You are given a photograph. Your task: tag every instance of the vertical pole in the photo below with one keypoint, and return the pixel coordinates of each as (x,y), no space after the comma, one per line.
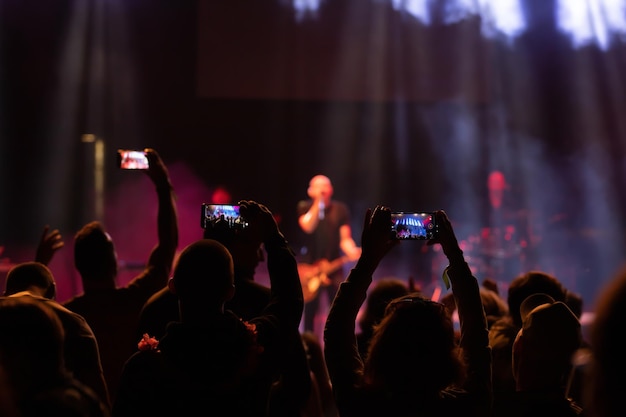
(98,174)
(99,179)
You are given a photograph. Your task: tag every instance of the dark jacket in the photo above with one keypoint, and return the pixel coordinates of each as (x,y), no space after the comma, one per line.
(82,353)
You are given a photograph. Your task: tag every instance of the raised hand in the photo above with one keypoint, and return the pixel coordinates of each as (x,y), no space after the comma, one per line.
(446,237)
(376,238)
(261,222)
(157,170)
(49,243)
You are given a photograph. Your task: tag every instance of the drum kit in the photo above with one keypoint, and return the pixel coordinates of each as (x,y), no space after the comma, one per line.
(494,252)
(501,252)
(521,242)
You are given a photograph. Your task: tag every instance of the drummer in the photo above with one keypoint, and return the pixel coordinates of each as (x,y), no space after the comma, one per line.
(503,241)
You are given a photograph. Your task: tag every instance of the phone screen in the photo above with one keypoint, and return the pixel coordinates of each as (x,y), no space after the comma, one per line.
(212,212)
(413,226)
(128,159)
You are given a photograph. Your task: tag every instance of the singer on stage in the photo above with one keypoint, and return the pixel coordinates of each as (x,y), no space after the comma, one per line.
(329,244)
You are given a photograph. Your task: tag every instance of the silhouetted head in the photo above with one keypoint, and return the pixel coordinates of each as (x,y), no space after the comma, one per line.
(545,345)
(491,285)
(246,251)
(495,307)
(413,350)
(575,303)
(31,342)
(31,276)
(94,253)
(530,283)
(203,278)
(381,294)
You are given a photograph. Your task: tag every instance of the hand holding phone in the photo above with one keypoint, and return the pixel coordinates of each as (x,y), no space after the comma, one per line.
(211,213)
(413,226)
(132,159)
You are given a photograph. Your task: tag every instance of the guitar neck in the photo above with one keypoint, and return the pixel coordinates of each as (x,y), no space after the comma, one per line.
(335,264)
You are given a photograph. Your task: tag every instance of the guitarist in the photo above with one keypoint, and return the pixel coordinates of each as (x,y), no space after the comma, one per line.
(326,223)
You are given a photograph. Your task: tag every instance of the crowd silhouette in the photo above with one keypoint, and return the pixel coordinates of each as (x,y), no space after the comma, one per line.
(112,311)
(199,336)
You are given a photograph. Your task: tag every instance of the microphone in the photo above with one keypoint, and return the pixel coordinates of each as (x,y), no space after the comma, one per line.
(321,210)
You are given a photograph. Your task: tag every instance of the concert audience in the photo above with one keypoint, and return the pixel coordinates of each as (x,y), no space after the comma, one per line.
(249,301)
(32,358)
(112,311)
(250,296)
(513,358)
(503,332)
(414,365)
(212,362)
(34,280)
(495,307)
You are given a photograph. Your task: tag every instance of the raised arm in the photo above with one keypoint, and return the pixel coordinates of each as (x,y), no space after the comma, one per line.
(474,332)
(347,243)
(341,352)
(286,302)
(308,221)
(162,256)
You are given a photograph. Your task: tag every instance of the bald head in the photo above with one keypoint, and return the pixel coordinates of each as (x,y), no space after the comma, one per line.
(319,179)
(496,181)
(320,186)
(31,276)
(204,272)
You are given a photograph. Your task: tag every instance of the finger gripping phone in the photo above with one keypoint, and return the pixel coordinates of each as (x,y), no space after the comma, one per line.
(131,159)
(413,226)
(224,213)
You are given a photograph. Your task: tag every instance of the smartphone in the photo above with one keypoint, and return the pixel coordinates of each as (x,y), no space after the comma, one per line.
(129,159)
(210,213)
(413,226)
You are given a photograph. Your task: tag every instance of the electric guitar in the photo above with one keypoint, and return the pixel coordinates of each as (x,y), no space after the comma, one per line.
(314,276)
